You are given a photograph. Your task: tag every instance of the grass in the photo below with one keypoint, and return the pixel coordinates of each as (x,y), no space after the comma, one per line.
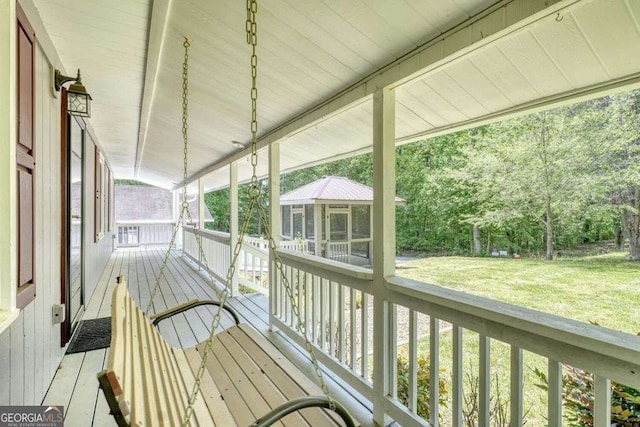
(602,288)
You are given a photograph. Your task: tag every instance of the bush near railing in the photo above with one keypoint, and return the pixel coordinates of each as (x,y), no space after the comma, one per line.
(578,395)
(423,377)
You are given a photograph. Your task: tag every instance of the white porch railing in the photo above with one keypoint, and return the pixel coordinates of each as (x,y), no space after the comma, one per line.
(336,305)
(253,260)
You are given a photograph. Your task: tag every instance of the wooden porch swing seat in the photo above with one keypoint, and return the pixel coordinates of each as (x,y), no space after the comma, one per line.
(147,382)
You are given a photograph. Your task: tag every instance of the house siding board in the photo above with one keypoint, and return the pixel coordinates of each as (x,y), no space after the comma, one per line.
(30,351)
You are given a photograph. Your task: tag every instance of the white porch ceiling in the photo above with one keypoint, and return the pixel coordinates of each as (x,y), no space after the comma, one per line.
(461,63)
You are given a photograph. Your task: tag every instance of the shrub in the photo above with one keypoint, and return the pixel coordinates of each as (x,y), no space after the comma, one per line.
(578,392)
(423,379)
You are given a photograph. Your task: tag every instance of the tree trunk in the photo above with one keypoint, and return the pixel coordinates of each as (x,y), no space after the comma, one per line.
(489,241)
(631,222)
(619,239)
(548,225)
(477,243)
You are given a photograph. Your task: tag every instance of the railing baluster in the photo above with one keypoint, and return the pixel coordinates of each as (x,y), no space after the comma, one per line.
(393,355)
(341,332)
(300,277)
(554,409)
(484,381)
(323,314)
(317,297)
(352,324)
(413,362)
(434,371)
(517,385)
(602,401)
(456,416)
(308,289)
(365,336)
(332,319)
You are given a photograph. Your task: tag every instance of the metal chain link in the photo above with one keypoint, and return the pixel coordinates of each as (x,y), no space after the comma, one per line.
(185,213)
(255,202)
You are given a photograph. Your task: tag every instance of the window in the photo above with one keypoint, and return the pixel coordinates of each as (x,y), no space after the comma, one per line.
(361,221)
(286,221)
(25,159)
(309,221)
(128,235)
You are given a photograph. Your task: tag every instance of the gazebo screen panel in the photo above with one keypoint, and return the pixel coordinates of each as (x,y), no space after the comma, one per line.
(360,222)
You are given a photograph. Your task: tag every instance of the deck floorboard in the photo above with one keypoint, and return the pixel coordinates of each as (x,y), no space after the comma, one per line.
(75,384)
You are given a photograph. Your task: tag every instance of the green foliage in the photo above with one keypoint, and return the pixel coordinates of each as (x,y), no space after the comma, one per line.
(423,380)
(578,399)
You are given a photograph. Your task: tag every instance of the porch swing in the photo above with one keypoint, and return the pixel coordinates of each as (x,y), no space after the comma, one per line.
(237,372)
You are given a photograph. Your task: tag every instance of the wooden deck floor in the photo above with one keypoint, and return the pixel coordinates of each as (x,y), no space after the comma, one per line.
(75,385)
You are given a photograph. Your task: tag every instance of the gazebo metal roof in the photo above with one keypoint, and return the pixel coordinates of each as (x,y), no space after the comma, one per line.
(334,189)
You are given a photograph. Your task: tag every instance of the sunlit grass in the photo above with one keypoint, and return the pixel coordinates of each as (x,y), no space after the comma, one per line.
(604,289)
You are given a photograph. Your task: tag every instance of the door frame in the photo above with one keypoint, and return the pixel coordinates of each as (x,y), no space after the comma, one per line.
(346,211)
(66,327)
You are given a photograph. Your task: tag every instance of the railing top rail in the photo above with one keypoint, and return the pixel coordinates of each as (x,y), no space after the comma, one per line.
(219,236)
(318,263)
(499,319)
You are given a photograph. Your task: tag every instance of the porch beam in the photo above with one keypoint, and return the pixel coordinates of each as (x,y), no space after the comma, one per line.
(497,21)
(384,242)
(274,224)
(233,222)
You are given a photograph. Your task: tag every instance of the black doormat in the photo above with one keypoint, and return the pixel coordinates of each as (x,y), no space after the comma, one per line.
(91,334)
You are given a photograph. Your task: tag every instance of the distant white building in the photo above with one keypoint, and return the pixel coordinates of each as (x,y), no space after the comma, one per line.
(146,215)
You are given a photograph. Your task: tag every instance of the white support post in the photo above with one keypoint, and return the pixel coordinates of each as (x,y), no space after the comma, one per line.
(200,217)
(274,223)
(178,212)
(201,203)
(233,223)
(384,242)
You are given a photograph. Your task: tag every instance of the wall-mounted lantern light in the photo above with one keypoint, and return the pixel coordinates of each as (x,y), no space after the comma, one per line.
(78,100)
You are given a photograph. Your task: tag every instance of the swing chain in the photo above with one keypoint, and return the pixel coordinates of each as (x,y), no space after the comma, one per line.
(252,39)
(255,202)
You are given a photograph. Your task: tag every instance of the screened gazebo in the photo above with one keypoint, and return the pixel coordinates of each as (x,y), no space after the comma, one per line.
(336,204)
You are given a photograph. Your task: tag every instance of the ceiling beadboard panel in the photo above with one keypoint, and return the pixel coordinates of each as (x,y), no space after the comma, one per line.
(107,40)
(312,52)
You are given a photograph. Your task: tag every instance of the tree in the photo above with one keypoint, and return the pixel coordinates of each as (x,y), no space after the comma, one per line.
(526,169)
(621,171)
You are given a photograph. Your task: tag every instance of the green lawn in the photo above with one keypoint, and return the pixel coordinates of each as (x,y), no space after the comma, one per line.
(603,288)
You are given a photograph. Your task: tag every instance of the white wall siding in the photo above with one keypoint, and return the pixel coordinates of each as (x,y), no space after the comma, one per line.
(30,349)
(96,254)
